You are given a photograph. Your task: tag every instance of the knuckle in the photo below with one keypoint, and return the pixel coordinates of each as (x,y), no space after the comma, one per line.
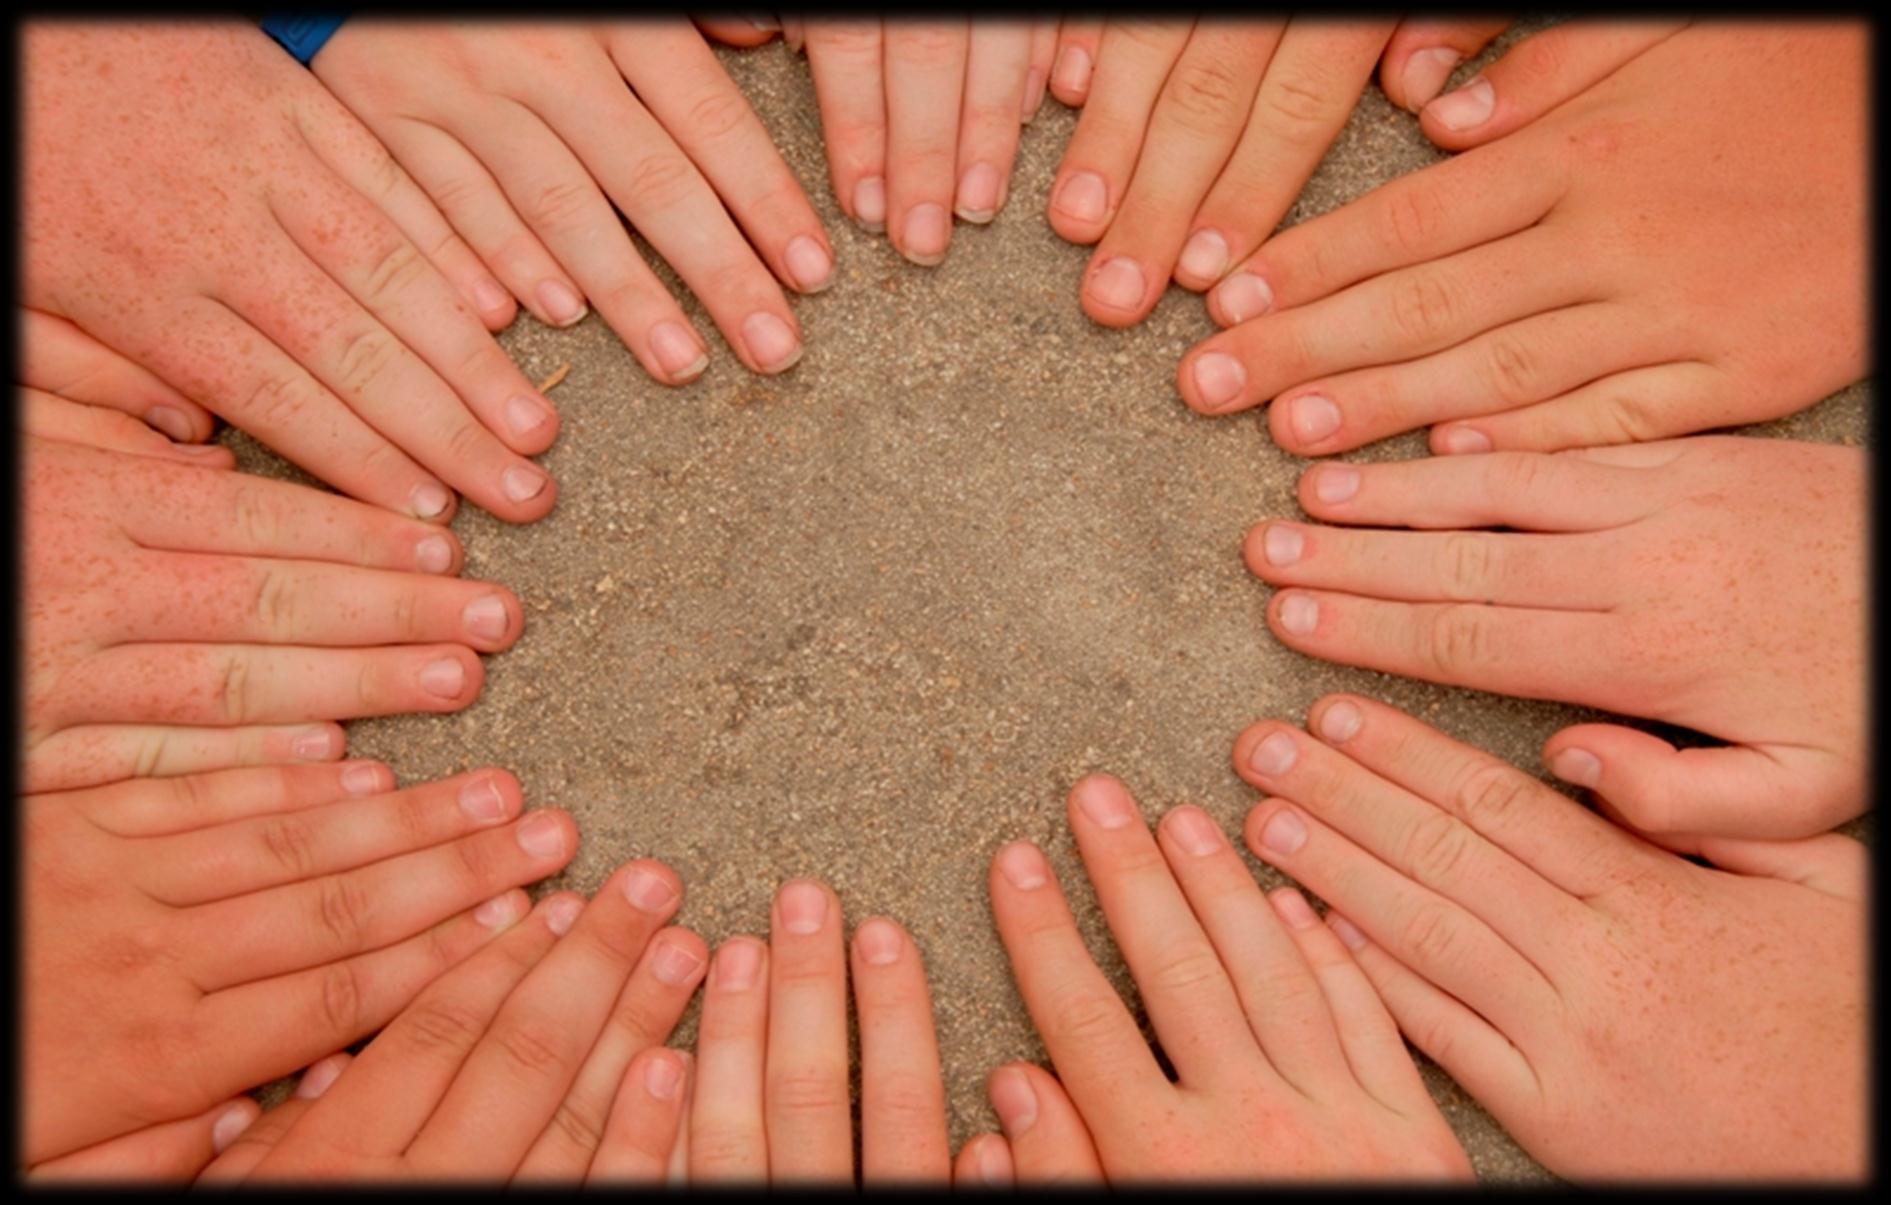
(659,181)
(717,114)
(254,520)
(341,1000)
(1437,847)
(1430,935)
(278,402)
(1489,796)
(1466,565)
(531,1045)
(907,1099)
(1513,371)
(341,910)
(1414,216)
(846,40)
(1297,107)
(930,43)
(1186,970)
(442,1028)
(571,1123)
(476,864)
(466,441)
(1148,35)
(233,690)
(805,1091)
(1630,418)
(1458,640)
(365,357)
(1424,307)
(560,204)
(290,844)
(1204,95)
(275,604)
(407,615)
(1083,1016)
(1516,476)
(397,270)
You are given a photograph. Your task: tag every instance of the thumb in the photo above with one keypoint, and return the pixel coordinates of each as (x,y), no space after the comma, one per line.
(1421,56)
(174,1151)
(1534,76)
(739,31)
(1730,790)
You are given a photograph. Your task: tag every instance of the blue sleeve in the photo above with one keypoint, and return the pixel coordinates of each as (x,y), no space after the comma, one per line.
(302,34)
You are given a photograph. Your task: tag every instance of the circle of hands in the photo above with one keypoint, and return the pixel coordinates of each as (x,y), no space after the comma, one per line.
(1666,985)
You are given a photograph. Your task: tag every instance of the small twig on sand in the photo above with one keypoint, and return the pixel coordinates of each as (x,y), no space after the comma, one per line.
(551,382)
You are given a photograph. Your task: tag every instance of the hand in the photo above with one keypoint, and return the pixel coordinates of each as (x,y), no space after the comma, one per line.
(1716,583)
(1287,1065)
(1195,139)
(539,1057)
(1587,279)
(162,596)
(771,1100)
(1623,1012)
(528,134)
(191,938)
(922,119)
(196,201)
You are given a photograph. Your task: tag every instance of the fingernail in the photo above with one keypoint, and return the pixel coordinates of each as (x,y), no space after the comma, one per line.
(314,745)
(803,907)
(444,678)
(870,203)
(1426,73)
(978,193)
(1347,931)
(1014,1100)
(1104,803)
(1460,441)
(772,345)
(879,942)
(1072,71)
(647,890)
(1194,831)
(1243,296)
(482,801)
(170,420)
(1578,766)
(526,414)
(662,1075)
(924,234)
(994,1170)
(1282,545)
(198,451)
(429,500)
(522,484)
(315,1081)
(1119,284)
(1204,256)
(361,778)
(1023,866)
(765,22)
(1273,756)
(486,617)
(499,911)
(1299,614)
(1284,833)
(1336,483)
(1219,379)
(737,964)
(489,296)
(230,1126)
(542,836)
(1466,108)
(678,353)
(675,963)
(1084,196)
(561,305)
(1313,417)
(562,913)
(1294,909)
(1033,95)
(1340,722)
(433,555)
(808,263)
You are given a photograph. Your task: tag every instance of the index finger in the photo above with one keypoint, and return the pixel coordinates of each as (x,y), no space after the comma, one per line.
(902,1091)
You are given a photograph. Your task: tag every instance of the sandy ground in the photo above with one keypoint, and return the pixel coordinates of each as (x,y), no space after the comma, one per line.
(869,620)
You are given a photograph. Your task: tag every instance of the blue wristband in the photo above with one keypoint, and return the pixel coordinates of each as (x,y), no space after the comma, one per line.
(302,35)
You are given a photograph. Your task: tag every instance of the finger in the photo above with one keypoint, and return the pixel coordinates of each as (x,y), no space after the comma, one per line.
(1474,1053)
(268,850)
(1558,839)
(1278,993)
(646,1011)
(1834,864)
(807,1105)
(262,684)
(1570,656)
(395,1084)
(1556,572)
(676,1171)
(1094,1043)
(1534,76)
(1077,42)
(1766,792)
(645,1119)
(1037,76)
(1651,403)
(1430,933)
(1133,61)
(1425,843)
(793,32)
(1183,983)
(745,32)
(1311,88)
(174,1151)
(925,79)
(318,920)
(727,1133)
(198,803)
(1503,489)
(48,417)
(89,755)
(1048,1140)
(984,1162)
(997,101)
(844,58)
(1199,114)
(1374,1051)
(902,1090)
(240,1157)
(1423,53)
(57,357)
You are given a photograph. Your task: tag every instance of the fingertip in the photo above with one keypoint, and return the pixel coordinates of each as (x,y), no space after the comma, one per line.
(238,1116)
(880,941)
